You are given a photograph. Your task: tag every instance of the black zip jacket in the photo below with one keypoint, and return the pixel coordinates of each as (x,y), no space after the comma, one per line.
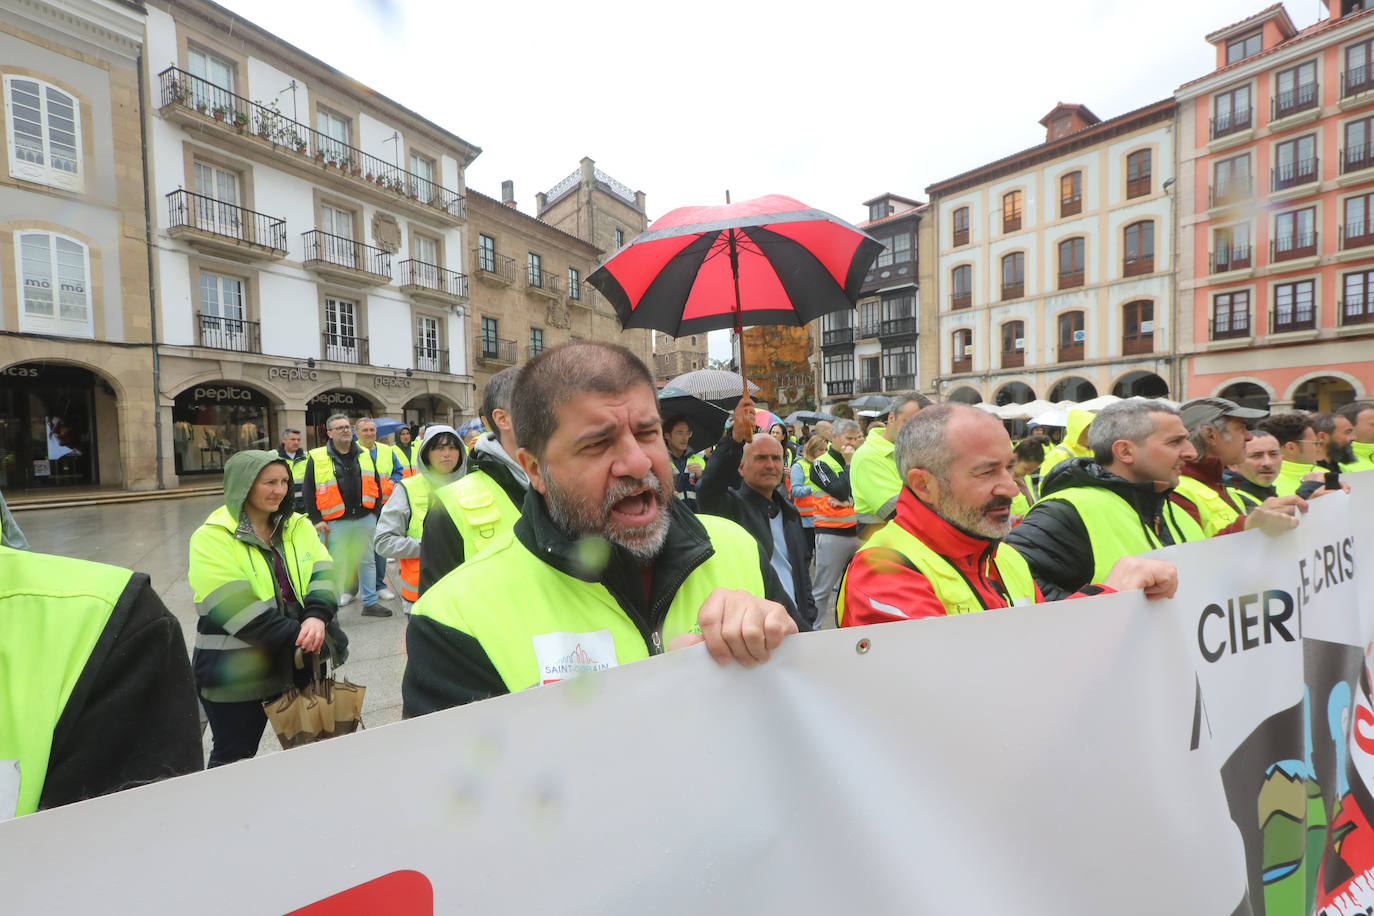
(1241,483)
(721,492)
(441,546)
(1052,536)
(446,667)
(131,719)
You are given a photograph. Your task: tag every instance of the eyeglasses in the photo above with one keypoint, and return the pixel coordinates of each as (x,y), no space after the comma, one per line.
(341,429)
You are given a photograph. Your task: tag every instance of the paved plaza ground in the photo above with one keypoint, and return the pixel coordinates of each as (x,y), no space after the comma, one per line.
(152,537)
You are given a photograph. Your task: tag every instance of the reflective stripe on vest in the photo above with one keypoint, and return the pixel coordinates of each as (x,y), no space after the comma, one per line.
(480,509)
(418,490)
(1114,527)
(328,499)
(52,612)
(554,626)
(826,515)
(949,584)
(1216,513)
(806,505)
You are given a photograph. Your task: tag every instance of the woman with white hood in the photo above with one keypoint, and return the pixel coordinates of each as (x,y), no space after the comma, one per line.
(441,460)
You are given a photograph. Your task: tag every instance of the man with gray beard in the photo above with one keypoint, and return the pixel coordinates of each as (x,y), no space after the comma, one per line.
(604,566)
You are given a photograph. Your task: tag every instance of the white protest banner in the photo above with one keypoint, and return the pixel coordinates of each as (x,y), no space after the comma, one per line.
(1028,761)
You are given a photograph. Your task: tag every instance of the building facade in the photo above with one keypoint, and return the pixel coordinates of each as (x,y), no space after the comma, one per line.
(530,290)
(778,358)
(1055,270)
(676,355)
(874,348)
(309,240)
(1277,224)
(77,397)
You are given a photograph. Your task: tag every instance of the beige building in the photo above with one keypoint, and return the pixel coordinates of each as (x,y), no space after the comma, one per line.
(676,355)
(77,403)
(529,289)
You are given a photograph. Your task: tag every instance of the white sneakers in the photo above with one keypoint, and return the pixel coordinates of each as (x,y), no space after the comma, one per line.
(386,593)
(345,598)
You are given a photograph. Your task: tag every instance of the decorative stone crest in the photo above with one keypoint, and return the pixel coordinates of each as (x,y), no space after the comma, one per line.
(558,316)
(386,232)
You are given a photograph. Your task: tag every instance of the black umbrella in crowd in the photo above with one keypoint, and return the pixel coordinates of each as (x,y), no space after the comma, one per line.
(707,421)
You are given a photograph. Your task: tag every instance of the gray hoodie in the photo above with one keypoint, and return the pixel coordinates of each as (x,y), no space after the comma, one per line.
(391,539)
(10,535)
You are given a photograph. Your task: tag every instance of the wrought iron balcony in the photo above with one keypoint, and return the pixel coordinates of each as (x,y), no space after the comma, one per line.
(431,359)
(1291,319)
(230,334)
(429,281)
(1357,156)
(495,349)
(345,260)
(345,348)
(1292,174)
(196,100)
(894,327)
(1288,247)
(493,267)
(1237,324)
(1293,101)
(1232,257)
(837,336)
(870,383)
(1357,309)
(1357,80)
(869,330)
(842,386)
(1356,234)
(224,228)
(1231,123)
(541,281)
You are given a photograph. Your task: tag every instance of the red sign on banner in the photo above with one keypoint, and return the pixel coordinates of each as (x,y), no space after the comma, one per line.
(401,893)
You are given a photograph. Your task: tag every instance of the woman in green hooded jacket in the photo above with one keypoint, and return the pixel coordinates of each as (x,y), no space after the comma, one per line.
(263,588)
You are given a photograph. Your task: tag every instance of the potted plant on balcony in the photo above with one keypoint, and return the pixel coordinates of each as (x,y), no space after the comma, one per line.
(220,112)
(240,121)
(200,105)
(319,156)
(367,177)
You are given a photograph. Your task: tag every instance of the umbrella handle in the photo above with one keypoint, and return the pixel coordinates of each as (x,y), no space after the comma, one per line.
(739,312)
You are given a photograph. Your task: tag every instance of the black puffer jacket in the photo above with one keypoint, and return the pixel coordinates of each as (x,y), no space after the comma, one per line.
(1052,536)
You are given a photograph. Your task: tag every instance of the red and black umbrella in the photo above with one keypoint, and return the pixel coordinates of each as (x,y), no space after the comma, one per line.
(771,260)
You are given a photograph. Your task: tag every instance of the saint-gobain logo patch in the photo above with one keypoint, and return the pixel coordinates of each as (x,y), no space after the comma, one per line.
(565,655)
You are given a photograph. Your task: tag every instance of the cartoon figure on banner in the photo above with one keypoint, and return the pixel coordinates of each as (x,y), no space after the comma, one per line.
(1345,881)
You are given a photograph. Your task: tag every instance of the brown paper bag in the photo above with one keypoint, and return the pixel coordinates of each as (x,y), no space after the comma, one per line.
(324,708)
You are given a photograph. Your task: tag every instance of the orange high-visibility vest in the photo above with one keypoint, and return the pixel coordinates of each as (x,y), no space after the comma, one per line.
(405,461)
(418,490)
(806,505)
(826,515)
(328,499)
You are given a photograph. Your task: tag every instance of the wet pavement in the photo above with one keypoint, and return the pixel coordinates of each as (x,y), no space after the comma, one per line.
(152,537)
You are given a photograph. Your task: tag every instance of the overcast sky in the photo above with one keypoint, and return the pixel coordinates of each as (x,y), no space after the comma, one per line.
(830,103)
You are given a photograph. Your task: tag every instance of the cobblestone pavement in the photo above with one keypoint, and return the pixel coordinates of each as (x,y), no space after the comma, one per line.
(152,537)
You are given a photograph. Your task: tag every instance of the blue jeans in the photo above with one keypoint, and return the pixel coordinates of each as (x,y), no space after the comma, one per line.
(350,545)
(381,571)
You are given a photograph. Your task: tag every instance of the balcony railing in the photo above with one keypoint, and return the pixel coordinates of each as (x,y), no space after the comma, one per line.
(228,221)
(1070,278)
(541,280)
(434,278)
(960,300)
(345,348)
(1357,80)
(1069,353)
(497,265)
(1137,345)
(1288,247)
(1071,206)
(899,382)
(1293,101)
(1137,264)
(1229,327)
(837,336)
(1357,156)
(1292,174)
(1293,320)
(1231,123)
(1014,290)
(1232,257)
(869,330)
(894,326)
(869,383)
(214,102)
(841,386)
(322,247)
(1356,234)
(230,334)
(431,359)
(1013,359)
(1230,192)
(960,237)
(496,349)
(1357,309)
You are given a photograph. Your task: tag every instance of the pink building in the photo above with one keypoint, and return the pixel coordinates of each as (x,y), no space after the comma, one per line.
(1276,212)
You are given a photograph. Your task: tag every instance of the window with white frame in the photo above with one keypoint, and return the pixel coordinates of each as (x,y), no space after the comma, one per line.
(336,237)
(54,279)
(213,85)
(422,177)
(222,313)
(215,208)
(424,264)
(334,145)
(427,355)
(43,132)
(340,330)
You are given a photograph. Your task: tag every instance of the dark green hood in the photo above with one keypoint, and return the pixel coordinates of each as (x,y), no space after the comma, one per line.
(241,470)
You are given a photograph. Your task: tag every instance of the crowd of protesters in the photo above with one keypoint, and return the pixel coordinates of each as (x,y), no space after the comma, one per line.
(581,531)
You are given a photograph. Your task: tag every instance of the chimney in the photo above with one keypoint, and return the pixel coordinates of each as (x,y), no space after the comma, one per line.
(508,193)
(1065,119)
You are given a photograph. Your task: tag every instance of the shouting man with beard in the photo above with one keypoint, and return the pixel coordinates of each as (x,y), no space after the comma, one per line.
(943,553)
(604,566)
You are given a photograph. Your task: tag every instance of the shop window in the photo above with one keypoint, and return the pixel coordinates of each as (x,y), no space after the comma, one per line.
(54,274)
(214,420)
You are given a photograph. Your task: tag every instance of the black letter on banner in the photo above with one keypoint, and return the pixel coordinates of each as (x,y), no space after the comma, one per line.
(1208,611)
(1247,622)
(1275,621)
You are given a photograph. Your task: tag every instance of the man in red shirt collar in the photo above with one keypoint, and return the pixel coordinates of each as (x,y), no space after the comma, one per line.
(946,554)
